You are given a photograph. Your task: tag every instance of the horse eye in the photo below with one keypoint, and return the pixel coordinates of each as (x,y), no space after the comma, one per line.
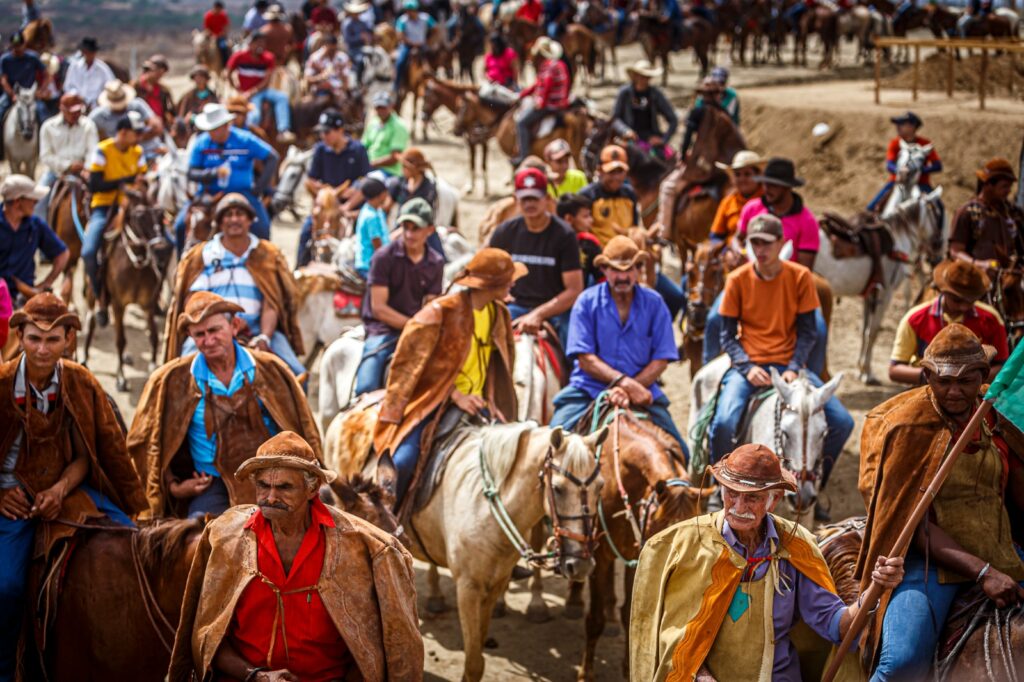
(557,488)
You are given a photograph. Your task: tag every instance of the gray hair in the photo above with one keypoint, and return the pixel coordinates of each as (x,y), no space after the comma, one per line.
(312,480)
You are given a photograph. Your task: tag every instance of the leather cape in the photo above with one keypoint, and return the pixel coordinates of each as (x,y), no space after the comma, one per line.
(160,427)
(272,276)
(367,586)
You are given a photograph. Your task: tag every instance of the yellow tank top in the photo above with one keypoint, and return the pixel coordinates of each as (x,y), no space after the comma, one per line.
(114,164)
(473,374)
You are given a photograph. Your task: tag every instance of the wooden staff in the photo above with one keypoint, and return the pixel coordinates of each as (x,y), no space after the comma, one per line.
(874,592)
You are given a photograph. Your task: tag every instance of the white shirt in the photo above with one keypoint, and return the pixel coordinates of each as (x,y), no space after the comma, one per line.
(87,81)
(337,69)
(60,145)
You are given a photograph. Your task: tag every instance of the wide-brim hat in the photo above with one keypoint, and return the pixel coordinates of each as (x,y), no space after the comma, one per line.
(620,253)
(213,116)
(751,469)
(491,268)
(642,67)
(743,159)
(45,311)
(779,171)
(233,200)
(286,450)
(89,44)
(996,168)
(356,7)
(197,70)
(956,350)
(200,306)
(547,48)
(961,279)
(116,95)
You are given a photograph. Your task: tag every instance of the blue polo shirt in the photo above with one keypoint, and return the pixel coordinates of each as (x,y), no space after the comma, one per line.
(18,249)
(23,70)
(334,168)
(594,328)
(242,149)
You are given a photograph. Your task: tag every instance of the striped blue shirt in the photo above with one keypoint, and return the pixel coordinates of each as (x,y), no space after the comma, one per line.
(204,449)
(226,275)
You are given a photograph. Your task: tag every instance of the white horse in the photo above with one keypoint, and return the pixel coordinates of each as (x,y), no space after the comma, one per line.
(170,180)
(536,378)
(292,172)
(378,72)
(791,422)
(21,132)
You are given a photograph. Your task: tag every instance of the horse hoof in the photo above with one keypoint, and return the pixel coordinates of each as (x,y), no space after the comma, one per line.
(490,643)
(538,613)
(573,611)
(128,359)
(499,610)
(122,384)
(869,380)
(611,630)
(436,605)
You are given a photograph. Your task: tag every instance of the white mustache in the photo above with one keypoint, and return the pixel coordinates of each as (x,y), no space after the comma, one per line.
(746,516)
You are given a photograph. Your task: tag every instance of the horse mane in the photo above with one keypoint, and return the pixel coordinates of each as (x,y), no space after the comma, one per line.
(500,447)
(656,433)
(163,541)
(366,486)
(840,545)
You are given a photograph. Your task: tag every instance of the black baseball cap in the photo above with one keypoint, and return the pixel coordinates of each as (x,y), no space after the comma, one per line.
(331,119)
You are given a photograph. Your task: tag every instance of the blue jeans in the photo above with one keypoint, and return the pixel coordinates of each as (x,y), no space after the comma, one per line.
(260,226)
(279,346)
(405,457)
(559,322)
(282,109)
(376,355)
(571,402)
(305,252)
(92,244)
(671,293)
(43,207)
(733,397)
(713,338)
(401,65)
(214,501)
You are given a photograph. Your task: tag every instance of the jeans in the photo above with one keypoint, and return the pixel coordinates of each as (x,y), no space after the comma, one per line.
(793,14)
(559,322)
(734,394)
(376,355)
(405,457)
(713,338)
(260,226)
(214,500)
(43,207)
(282,109)
(305,252)
(92,243)
(524,126)
(401,65)
(279,346)
(224,49)
(671,293)
(571,402)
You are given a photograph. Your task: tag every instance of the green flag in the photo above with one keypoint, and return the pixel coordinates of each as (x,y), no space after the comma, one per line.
(1007,390)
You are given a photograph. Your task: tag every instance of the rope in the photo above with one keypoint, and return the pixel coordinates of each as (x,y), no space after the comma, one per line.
(75,218)
(149,601)
(630,563)
(700,456)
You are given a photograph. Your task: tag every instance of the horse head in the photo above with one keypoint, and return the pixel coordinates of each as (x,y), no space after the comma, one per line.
(25,111)
(800,429)
(371,501)
(705,278)
(909,163)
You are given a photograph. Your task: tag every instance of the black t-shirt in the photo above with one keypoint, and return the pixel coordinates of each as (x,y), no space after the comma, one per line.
(547,254)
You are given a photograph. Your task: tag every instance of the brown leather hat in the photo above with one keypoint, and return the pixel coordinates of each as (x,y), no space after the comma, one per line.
(491,268)
(961,279)
(233,200)
(620,253)
(289,450)
(994,168)
(956,350)
(45,311)
(753,468)
(201,305)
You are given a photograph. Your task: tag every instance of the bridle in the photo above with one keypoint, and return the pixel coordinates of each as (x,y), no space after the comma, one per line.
(804,474)
(132,241)
(715,265)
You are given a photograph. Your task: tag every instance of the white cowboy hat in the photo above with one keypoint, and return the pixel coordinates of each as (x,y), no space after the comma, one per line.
(275,12)
(357,7)
(213,116)
(642,67)
(547,48)
(116,95)
(743,159)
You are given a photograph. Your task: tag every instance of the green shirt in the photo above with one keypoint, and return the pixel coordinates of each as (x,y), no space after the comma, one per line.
(573,182)
(380,139)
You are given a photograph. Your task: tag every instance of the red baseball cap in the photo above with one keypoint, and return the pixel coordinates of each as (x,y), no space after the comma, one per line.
(531,182)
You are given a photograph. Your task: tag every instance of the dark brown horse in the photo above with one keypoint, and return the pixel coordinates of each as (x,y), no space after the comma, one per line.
(706,270)
(580,46)
(656,39)
(477,121)
(38,35)
(521,34)
(68,215)
(199,220)
(1007,297)
(437,94)
(823,21)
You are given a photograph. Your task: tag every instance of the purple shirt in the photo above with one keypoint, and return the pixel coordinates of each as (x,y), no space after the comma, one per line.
(407,282)
(804,599)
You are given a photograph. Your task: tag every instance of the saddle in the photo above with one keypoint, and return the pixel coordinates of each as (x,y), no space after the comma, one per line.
(452,429)
(972,610)
(867,236)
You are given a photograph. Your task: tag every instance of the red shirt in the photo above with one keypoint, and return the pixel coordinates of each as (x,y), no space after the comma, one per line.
(530,11)
(893,154)
(315,650)
(252,68)
(216,22)
(552,87)
(926,321)
(322,14)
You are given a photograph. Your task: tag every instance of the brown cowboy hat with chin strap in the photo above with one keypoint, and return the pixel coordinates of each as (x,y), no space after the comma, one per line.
(752,469)
(286,450)
(200,306)
(45,311)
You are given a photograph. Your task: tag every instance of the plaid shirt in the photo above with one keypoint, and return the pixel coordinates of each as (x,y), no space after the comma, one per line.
(552,87)
(43,401)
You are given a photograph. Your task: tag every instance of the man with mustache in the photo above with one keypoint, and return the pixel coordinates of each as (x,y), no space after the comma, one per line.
(716,597)
(620,340)
(296,590)
(967,537)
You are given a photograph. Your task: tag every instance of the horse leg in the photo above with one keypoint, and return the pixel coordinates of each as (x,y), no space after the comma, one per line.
(602,587)
(90,329)
(628,575)
(483,167)
(574,602)
(873,315)
(154,334)
(435,601)
(694,352)
(471,185)
(121,341)
(472,620)
(537,611)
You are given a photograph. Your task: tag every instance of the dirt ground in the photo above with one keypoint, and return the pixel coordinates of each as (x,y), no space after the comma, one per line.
(842,175)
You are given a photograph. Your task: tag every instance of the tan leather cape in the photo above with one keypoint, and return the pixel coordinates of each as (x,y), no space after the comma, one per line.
(272,276)
(367,585)
(432,349)
(93,428)
(159,429)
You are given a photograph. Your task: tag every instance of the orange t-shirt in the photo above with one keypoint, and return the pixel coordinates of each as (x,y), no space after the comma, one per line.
(728,215)
(767,309)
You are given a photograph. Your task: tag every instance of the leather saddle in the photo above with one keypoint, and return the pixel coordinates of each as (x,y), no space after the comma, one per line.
(864,235)
(971,610)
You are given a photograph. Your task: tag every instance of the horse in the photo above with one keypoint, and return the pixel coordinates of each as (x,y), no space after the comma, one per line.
(137,257)
(68,214)
(21,132)
(521,35)
(439,93)
(580,46)
(378,71)
(292,171)
(38,35)
(656,39)
(1007,297)
(169,180)
(422,62)
(789,419)
(596,17)
(575,125)
(476,122)
(823,21)
(915,17)
(861,24)
(206,52)
(199,220)
(467,43)
(706,270)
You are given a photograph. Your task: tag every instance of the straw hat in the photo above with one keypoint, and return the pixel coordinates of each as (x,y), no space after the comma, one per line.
(742,159)
(286,450)
(642,67)
(491,268)
(200,306)
(620,253)
(116,95)
(45,311)
(956,350)
(961,279)
(753,468)
(547,48)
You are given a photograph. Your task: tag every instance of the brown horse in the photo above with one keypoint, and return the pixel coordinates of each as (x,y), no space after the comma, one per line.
(68,214)
(1007,297)
(438,93)
(38,35)
(476,122)
(521,35)
(823,21)
(199,220)
(580,46)
(422,62)
(706,270)
(136,255)
(656,39)
(573,128)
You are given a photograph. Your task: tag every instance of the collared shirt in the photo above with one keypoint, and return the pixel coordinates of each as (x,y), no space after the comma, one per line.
(338,69)
(415,31)
(18,248)
(23,70)
(106,120)
(798,597)
(253,20)
(87,80)
(574,181)
(595,328)
(204,449)
(227,275)
(922,322)
(408,283)
(383,137)
(798,225)
(306,641)
(114,164)
(727,217)
(61,145)
(252,68)
(241,150)
(371,224)
(335,167)
(551,91)
(43,400)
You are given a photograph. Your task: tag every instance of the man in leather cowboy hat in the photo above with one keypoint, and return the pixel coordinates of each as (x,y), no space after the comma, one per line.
(344,588)
(961,287)
(966,537)
(987,230)
(455,355)
(201,415)
(716,596)
(620,341)
(62,455)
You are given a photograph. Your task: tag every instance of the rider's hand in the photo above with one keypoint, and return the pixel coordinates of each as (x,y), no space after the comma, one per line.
(888,572)
(282,675)
(758,376)
(656,140)
(789,376)
(1001,588)
(48,502)
(530,323)
(76,167)
(191,487)
(637,392)
(618,397)
(471,404)
(14,504)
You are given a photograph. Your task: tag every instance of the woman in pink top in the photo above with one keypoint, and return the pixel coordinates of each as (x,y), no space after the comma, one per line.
(500,63)
(798,223)
(5,311)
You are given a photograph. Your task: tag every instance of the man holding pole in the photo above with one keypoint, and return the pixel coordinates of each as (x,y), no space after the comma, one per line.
(965,537)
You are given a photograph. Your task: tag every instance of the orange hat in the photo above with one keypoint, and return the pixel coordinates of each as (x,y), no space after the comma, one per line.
(961,279)
(614,157)
(996,168)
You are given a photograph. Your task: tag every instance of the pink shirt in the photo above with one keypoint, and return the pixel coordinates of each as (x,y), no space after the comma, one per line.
(500,69)
(799,226)
(5,311)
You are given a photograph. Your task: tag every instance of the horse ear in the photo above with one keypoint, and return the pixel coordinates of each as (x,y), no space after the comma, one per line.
(781,386)
(342,188)
(342,489)
(387,475)
(557,438)
(594,440)
(825,393)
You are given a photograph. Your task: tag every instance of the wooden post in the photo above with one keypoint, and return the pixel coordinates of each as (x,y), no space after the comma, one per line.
(949,73)
(917,68)
(983,77)
(878,75)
